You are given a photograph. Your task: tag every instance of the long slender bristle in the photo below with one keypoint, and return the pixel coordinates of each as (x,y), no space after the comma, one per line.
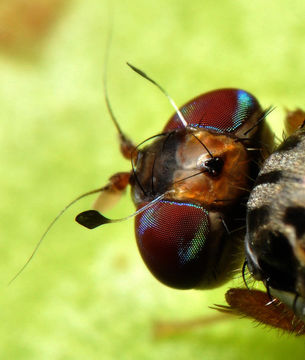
(143,74)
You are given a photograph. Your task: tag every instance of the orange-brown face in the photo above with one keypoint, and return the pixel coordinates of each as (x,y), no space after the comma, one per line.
(219,189)
(196,165)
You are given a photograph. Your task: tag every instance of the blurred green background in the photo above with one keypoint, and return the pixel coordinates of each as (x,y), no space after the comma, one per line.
(87,294)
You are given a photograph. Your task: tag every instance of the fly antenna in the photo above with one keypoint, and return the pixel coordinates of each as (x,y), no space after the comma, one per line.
(126,143)
(141,73)
(105,84)
(93,218)
(49,228)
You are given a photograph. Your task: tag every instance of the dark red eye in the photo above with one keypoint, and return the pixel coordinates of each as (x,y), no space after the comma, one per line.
(222,110)
(173,239)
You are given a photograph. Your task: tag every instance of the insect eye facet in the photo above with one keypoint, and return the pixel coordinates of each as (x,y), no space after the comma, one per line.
(223,110)
(172,239)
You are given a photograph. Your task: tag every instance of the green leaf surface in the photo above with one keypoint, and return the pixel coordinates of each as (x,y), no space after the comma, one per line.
(87,294)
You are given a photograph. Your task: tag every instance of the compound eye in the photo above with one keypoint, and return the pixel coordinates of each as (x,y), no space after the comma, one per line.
(172,239)
(223,110)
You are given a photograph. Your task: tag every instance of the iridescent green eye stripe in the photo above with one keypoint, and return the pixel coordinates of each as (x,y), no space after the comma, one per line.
(244,103)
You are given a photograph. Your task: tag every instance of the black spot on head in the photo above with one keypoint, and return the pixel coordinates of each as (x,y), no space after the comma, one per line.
(295,216)
(258,217)
(214,166)
(271,177)
(289,143)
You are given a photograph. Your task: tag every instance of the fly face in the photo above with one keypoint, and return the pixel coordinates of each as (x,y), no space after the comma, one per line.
(178,163)
(188,183)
